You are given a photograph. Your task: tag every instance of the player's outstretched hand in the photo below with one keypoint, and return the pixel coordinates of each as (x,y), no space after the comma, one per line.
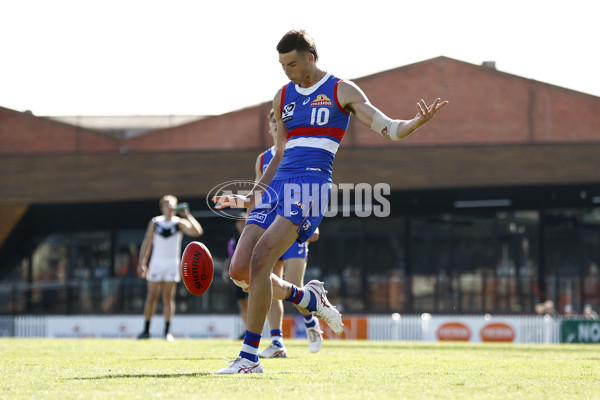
(426,113)
(231,200)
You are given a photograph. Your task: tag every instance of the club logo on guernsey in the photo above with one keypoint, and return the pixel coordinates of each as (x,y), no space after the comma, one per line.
(306,226)
(288,112)
(322,101)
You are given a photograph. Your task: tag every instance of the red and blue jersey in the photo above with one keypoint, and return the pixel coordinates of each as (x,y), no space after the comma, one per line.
(316,124)
(265,159)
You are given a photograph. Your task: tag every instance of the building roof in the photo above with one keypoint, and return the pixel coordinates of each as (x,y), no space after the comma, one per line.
(126,126)
(498,128)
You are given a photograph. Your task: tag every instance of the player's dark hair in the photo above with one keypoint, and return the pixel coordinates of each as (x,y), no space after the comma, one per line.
(299,40)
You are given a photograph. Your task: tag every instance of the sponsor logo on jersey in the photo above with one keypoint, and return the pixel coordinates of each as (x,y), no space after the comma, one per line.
(260,217)
(322,101)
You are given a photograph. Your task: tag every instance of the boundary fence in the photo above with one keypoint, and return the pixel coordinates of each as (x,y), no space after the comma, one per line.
(425,327)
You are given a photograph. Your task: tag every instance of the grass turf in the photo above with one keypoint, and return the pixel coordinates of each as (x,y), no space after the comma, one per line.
(127,369)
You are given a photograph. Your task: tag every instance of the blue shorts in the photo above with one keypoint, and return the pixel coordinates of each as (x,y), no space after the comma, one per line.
(302,200)
(296,250)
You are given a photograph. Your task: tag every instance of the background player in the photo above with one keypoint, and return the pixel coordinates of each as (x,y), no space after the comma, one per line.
(162,246)
(293,261)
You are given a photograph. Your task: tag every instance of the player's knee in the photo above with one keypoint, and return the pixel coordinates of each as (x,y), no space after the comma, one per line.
(239,274)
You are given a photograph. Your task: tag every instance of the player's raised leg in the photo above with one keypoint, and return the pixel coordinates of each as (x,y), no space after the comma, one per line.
(312,297)
(294,273)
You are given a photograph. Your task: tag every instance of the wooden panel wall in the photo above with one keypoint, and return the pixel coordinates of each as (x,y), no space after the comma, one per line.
(121,177)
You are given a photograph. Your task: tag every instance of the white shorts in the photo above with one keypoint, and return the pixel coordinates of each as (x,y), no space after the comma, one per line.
(163,273)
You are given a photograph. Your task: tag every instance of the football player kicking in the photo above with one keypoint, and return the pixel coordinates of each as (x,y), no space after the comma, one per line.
(293,261)
(312,113)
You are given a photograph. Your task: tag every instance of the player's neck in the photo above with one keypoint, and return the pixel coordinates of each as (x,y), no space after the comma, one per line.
(313,78)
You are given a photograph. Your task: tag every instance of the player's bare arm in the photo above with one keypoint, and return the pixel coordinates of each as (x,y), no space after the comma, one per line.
(280,140)
(249,200)
(257,169)
(352,98)
(190,225)
(142,269)
(258,173)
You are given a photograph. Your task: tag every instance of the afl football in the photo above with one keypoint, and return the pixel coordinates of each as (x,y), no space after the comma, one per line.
(197,268)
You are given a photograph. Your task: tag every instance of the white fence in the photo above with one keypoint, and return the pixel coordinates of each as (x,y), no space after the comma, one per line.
(526,329)
(473,328)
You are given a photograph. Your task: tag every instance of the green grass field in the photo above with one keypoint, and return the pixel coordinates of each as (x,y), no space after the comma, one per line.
(127,369)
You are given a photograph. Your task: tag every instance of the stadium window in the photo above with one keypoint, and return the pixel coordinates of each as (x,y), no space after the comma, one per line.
(591,272)
(565,257)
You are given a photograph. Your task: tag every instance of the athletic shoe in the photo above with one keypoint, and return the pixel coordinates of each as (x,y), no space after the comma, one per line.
(315,338)
(242,366)
(274,351)
(325,310)
(143,335)
(169,337)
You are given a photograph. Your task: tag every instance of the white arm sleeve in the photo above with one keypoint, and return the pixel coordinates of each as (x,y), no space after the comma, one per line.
(385,126)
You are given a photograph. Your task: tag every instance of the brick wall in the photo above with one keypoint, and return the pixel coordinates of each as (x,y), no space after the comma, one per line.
(24,133)
(486,107)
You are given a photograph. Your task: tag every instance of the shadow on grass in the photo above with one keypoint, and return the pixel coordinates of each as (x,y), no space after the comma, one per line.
(127,376)
(169,376)
(182,359)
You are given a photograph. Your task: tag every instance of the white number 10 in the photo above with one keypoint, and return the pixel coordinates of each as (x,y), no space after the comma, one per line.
(320,116)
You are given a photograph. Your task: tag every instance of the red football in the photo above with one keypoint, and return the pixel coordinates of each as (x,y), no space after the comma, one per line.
(197,268)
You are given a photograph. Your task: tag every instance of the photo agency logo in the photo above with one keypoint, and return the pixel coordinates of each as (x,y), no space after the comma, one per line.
(304,199)
(241,188)
(331,200)
(360,200)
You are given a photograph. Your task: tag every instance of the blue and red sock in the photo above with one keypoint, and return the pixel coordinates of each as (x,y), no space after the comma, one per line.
(250,346)
(309,321)
(303,298)
(277,337)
